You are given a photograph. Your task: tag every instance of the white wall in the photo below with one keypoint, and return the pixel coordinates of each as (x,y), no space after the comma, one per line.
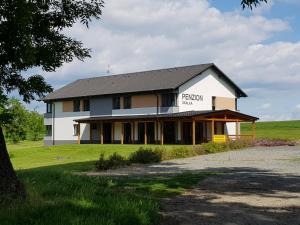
(207,84)
(63,122)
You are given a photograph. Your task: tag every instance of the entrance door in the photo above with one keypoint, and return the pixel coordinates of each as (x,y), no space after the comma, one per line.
(107,133)
(150,133)
(187,133)
(127,133)
(199,133)
(169,133)
(95,133)
(141,130)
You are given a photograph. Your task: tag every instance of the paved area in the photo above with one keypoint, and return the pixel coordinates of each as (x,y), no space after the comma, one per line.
(259,186)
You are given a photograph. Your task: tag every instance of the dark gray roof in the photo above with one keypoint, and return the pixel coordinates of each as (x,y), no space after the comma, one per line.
(204,113)
(154,80)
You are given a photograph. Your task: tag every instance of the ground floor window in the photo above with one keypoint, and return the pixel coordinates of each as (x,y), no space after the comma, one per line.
(48,130)
(75,129)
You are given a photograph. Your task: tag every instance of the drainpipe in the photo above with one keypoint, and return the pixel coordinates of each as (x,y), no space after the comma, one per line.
(53,123)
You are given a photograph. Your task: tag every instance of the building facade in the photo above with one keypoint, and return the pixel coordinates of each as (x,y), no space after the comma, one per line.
(183,105)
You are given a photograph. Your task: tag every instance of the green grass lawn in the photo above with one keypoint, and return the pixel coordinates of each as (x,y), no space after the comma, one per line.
(57,197)
(282,129)
(33,154)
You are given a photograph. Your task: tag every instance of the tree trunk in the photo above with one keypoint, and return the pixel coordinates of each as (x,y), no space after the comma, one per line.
(10,186)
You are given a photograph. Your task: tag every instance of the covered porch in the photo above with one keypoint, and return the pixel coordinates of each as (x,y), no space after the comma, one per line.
(193,127)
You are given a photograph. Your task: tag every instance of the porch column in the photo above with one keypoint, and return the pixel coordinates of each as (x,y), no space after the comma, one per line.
(122,133)
(194,132)
(161,132)
(101,133)
(212,130)
(78,133)
(253,131)
(145,133)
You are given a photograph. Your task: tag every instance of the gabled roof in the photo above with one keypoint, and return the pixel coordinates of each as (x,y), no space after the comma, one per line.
(147,81)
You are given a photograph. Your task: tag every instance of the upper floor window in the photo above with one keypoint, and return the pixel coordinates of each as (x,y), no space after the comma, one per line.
(116,102)
(49,108)
(127,102)
(86,105)
(48,130)
(76,106)
(214,103)
(168,100)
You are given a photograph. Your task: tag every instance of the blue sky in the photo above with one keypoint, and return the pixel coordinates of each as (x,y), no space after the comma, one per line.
(259,50)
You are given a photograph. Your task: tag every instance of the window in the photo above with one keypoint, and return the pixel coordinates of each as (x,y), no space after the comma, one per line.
(76,106)
(86,105)
(48,130)
(49,108)
(213,103)
(127,102)
(168,100)
(75,129)
(116,102)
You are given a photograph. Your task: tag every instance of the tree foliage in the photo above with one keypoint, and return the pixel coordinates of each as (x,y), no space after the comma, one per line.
(251,3)
(15,129)
(32,37)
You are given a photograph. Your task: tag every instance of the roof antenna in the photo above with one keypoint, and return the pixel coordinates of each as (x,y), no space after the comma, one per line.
(108,69)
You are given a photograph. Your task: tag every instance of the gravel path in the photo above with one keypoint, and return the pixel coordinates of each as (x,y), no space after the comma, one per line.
(259,186)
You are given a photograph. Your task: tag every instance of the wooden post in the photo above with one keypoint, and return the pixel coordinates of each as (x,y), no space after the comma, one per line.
(101,133)
(161,132)
(194,132)
(78,133)
(145,133)
(212,130)
(253,131)
(122,133)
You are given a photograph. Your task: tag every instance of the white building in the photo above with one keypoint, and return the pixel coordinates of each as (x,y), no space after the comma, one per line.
(184,105)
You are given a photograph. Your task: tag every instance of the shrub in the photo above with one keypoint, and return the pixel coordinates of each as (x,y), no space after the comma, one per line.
(178,152)
(145,155)
(212,147)
(114,161)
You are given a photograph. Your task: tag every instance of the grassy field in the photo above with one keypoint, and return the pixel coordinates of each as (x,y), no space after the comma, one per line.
(282,129)
(57,197)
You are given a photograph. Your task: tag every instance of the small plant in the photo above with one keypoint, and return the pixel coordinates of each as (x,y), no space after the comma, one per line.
(114,161)
(268,142)
(145,155)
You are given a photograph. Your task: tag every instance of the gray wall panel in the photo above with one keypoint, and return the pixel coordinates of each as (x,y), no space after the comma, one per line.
(101,106)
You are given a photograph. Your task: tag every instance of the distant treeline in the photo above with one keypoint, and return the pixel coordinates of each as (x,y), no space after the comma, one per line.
(24,124)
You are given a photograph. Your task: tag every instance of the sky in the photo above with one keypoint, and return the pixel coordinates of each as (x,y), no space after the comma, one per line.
(259,50)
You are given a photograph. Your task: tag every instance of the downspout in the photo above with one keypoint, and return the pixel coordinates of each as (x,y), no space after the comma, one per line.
(53,124)
(157,112)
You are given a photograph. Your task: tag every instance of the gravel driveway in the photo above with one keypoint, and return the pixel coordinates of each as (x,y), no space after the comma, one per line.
(259,186)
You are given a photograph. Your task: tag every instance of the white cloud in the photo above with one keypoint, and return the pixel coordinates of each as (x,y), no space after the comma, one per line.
(136,35)
(266,106)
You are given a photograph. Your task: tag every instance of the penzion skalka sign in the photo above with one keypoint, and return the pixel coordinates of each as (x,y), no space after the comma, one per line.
(188,99)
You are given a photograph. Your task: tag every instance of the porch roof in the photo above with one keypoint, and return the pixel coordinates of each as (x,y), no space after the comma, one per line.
(222,115)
